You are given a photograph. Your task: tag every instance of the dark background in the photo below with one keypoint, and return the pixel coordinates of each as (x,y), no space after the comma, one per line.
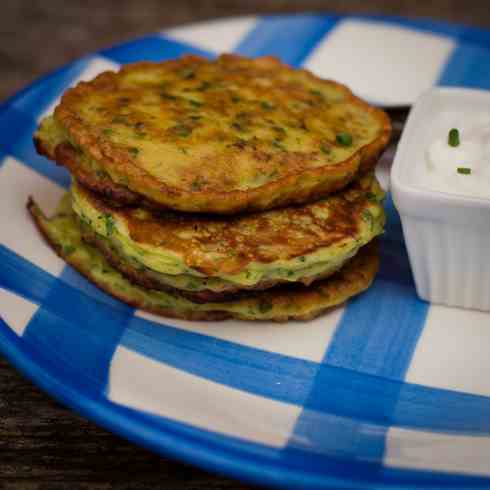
(43,445)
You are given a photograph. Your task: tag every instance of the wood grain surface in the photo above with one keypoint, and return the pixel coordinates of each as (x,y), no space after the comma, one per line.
(42,444)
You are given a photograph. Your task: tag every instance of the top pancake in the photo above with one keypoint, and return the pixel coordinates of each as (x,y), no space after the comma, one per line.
(220,136)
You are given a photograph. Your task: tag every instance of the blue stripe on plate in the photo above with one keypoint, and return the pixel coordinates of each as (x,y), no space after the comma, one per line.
(213,451)
(42,94)
(468,67)
(151,48)
(76,331)
(345,393)
(377,334)
(290,38)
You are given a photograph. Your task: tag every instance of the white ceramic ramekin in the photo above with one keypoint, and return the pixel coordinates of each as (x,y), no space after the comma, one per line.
(447,235)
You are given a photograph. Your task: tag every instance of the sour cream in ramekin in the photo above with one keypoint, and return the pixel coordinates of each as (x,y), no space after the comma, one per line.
(459,161)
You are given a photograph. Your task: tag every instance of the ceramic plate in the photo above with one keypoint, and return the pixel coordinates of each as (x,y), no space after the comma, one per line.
(386,391)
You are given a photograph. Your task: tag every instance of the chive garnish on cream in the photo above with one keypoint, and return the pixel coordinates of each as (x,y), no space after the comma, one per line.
(453,137)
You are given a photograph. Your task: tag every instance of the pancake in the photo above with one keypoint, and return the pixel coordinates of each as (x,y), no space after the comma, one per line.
(220,136)
(209,258)
(62,231)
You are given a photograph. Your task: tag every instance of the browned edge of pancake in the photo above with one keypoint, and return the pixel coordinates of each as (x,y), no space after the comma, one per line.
(293,188)
(351,280)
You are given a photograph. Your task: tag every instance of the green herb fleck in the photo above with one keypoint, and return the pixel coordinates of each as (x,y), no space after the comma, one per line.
(120,120)
(195,117)
(107,131)
(197,184)
(195,103)
(109,224)
(317,93)
(280,130)
(265,307)
(302,258)
(267,106)
(368,218)
(187,73)
(192,284)
(464,170)
(344,139)
(235,98)
(134,151)
(166,96)
(204,86)
(277,144)
(68,249)
(372,197)
(184,151)
(325,148)
(181,130)
(453,137)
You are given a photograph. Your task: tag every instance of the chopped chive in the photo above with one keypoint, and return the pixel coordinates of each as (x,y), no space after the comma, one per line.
(267,106)
(187,73)
(195,103)
(204,86)
(278,145)
(134,151)
(195,117)
(181,130)
(279,129)
(235,98)
(68,249)
(372,197)
(464,170)
(453,137)
(325,148)
(197,184)
(265,307)
(109,224)
(107,131)
(166,96)
(316,92)
(120,120)
(344,139)
(368,218)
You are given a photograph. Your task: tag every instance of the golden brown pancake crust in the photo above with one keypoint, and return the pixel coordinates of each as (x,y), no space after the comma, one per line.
(148,281)
(215,246)
(224,136)
(282,303)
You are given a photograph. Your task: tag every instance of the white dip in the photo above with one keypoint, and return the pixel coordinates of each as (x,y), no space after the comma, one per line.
(463,169)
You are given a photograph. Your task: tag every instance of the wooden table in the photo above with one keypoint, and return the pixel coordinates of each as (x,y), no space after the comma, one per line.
(42,444)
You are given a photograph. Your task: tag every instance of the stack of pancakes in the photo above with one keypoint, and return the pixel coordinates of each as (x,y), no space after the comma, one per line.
(213,189)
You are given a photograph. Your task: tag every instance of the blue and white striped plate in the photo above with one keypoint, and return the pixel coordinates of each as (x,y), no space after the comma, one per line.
(387,391)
